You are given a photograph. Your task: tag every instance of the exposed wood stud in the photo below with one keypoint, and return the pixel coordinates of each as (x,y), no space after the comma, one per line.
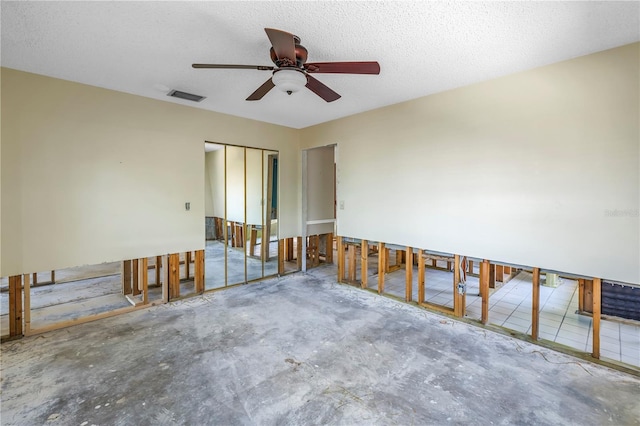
(299,252)
(470,267)
(581,295)
(329,248)
(499,273)
(165,278)
(174,275)
(15,305)
(535,308)
(448,266)
(158,267)
(597,297)
(459,300)
(352,262)
(35,279)
(421,272)
(144,279)
(281,256)
(199,271)
(340,259)
(492,275)
(484,290)
(125,276)
(53,277)
(364,263)
(315,258)
(135,275)
(408,275)
(27,304)
(187,265)
(382,267)
(253,238)
(289,249)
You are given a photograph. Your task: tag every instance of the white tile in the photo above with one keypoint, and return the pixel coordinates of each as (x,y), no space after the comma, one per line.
(571,343)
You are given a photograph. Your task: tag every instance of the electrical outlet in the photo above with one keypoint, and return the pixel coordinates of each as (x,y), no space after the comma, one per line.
(187,206)
(341,204)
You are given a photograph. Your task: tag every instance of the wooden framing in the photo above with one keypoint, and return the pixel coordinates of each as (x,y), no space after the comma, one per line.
(253,239)
(158,267)
(328,256)
(198,273)
(535,308)
(15,305)
(173,278)
(187,265)
(352,262)
(165,278)
(382,267)
(580,294)
(492,275)
(408,296)
(500,273)
(135,287)
(281,256)
(459,300)
(314,241)
(340,259)
(27,304)
(484,290)
(421,273)
(299,252)
(364,263)
(289,253)
(392,268)
(125,277)
(144,279)
(597,297)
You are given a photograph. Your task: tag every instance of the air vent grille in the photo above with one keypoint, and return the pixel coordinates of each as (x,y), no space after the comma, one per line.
(185,95)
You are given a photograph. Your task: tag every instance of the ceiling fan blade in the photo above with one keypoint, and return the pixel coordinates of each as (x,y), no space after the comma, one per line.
(234,67)
(321,90)
(344,67)
(261,91)
(283,44)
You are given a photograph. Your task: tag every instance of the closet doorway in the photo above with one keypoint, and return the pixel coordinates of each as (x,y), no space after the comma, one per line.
(241,214)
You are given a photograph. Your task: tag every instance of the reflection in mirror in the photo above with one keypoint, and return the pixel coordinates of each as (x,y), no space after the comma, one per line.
(253,236)
(214,216)
(235,212)
(270,212)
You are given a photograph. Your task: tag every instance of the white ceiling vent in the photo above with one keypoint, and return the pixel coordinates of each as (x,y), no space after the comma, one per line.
(185,95)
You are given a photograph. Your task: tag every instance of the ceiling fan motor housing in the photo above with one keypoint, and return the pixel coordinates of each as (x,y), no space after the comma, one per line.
(301,57)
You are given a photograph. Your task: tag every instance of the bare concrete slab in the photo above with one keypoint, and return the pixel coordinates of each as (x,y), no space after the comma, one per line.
(301,350)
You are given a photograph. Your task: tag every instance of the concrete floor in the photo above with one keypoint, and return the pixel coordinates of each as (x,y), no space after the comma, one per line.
(300,350)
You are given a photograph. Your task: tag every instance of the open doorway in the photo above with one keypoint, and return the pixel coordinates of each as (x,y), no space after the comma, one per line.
(318,205)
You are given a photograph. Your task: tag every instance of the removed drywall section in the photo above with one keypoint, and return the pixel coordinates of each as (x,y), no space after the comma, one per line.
(538,168)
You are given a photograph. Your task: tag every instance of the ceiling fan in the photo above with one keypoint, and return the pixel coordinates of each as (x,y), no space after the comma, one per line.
(292,72)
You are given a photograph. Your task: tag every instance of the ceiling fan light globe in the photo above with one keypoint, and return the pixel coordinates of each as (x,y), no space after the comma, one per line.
(289,80)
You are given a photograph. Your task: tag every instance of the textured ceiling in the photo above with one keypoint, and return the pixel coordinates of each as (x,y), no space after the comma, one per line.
(147,48)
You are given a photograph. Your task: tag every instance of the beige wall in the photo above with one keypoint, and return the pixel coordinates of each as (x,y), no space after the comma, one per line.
(524,169)
(91,175)
(538,168)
